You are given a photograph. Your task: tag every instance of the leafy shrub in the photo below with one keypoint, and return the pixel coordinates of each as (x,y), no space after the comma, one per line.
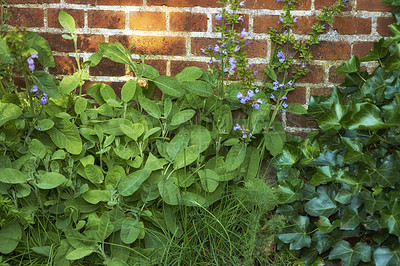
(341,186)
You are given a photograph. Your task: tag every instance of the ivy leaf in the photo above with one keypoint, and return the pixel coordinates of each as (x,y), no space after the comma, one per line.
(364,116)
(378,52)
(325,226)
(349,256)
(350,66)
(371,203)
(351,218)
(385,256)
(354,150)
(331,119)
(297,234)
(391,218)
(324,204)
(386,171)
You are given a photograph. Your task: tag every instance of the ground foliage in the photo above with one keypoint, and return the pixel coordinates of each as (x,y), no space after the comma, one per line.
(342,186)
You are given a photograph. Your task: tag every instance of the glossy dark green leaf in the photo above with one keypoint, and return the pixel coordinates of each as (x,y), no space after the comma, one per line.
(385,173)
(325,226)
(351,218)
(378,52)
(365,116)
(297,234)
(350,256)
(350,66)
(323,175)
(324,204)
(385,256)
(354,150)
(344,196)
(331,119)
(391,218)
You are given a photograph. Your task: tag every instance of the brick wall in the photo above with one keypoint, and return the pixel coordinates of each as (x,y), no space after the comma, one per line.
(171,33)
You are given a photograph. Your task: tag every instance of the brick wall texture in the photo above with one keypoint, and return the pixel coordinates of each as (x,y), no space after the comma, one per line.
(171,33)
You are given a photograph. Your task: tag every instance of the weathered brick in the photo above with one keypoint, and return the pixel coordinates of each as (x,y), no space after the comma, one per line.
(201,43)
(273,4)
(257,48)
(372,5)
(361,49)
(180,21)
(107,2)
(352,25)
(31,1)
(304,25)
(89,43)
(321,91)
(382,27)
(52,17)
(178,66)
(293,120)
(28,17)
(298,95)
(160,65)
(65,65)
(106,19)
(263,23)
(331,51)
(57,43)
(106,67)
(152,44)
(315,75)
(322,3)
(183,3)
(147,21)
(335,78)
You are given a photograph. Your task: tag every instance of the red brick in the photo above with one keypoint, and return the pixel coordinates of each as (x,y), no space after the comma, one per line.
(89,42)
(202,43)
(147,21)
(160,65)
(382,27)
(298,95)
(183,3)
(152,45)
(106,67)
(26,17)
(52,17)
(57,43)
(331,51)
(107,2)
(322,3)
(31,1)
(321,91)
(361,49)
(257,48)
(263,23)
(106,19)
(65,65)
(178,66)
(352,25)
(293,120)
(180,21)
(304,25)
(372,5)
(316,74)
(272,4)
(335,78)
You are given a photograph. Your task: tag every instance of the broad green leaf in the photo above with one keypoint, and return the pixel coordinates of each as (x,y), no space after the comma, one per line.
(273,143)
(350,256)
(150,107)
(271,73)
(331,119)
(46,83)
(65,135)
(45,124)
(353,65)
(10,236)
(94,173)
(296,108)
(297,234)
(193,199)
(167,107)
(43,250)
(144,70)
(95,58)
(128,90)
(66,21)
(325,226)
(5,55)
(50,180)
(254,164)
(37,148)
(385,256)
(391,218)
(8,111)
(107,93)
(151,132)
(189,74)
(169,191)
(324,204)
(365,116)
(187,156)
(80,105)
(42,48)
(133,132)
(200,88)
(12,176)
(130,230)
(351,218)
(199,136)
(79,253)
(170,86)
(323,175)
(373,203)
(181,117)
(58,155)
(286,159)
(69,83)
(354,150)
(378,52)
(153,163)
(114,175)
(95,196)
(116,52)
(209,180)
(94,92)
(131,183)
(178,143)
(235,157)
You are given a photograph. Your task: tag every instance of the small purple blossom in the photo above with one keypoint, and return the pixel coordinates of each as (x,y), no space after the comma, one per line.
(237,48)
(241,4)
(210,62)
(34,55)
(281,20)
(284,97)
(216,48)
(244,33)
(244,135)
(276,85)
(323,26)
(272,97)
(295,20)
(237,127)
(247,43)
(256,104)
(225,70)
(255,73)
(256,90)
(250,63)
(202,51)
(35,90)
(224,52)
(241,18)
(281,55)
(218,16)
(30,61)
(250,93)
(285,105)
(32,67)
(303,65)
(290,83)
(43,100)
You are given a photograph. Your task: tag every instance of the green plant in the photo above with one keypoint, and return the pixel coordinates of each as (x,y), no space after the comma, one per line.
(341,186)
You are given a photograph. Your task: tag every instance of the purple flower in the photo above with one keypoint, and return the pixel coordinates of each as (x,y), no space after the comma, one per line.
(241,18)
(243,33)
(237,127)
(225,70)
(323,26)
(239,95)
(224,52)
(290,83)
(295,20)
(250,93)
(30,61)
(250,63)
(272,96)
(210,62)
(241,4)
(202,51)
(284,105)
(34,55)
(256,90)
(216,48)
(218,16)
(35,90)
(244,135)
(276,85)
(284,97)
(247,43)
(255,73)
(43,100)
(257,103)
(303,65)
(281,55)
(281,20)
(237,48)
(32,67)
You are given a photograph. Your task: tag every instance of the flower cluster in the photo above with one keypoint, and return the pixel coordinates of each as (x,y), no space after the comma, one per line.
(347,3)
(245,132)
(31,62)
(281,85)
(250,93)
(43,99)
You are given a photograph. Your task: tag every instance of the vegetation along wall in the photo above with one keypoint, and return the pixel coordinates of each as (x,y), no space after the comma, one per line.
(171,34)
